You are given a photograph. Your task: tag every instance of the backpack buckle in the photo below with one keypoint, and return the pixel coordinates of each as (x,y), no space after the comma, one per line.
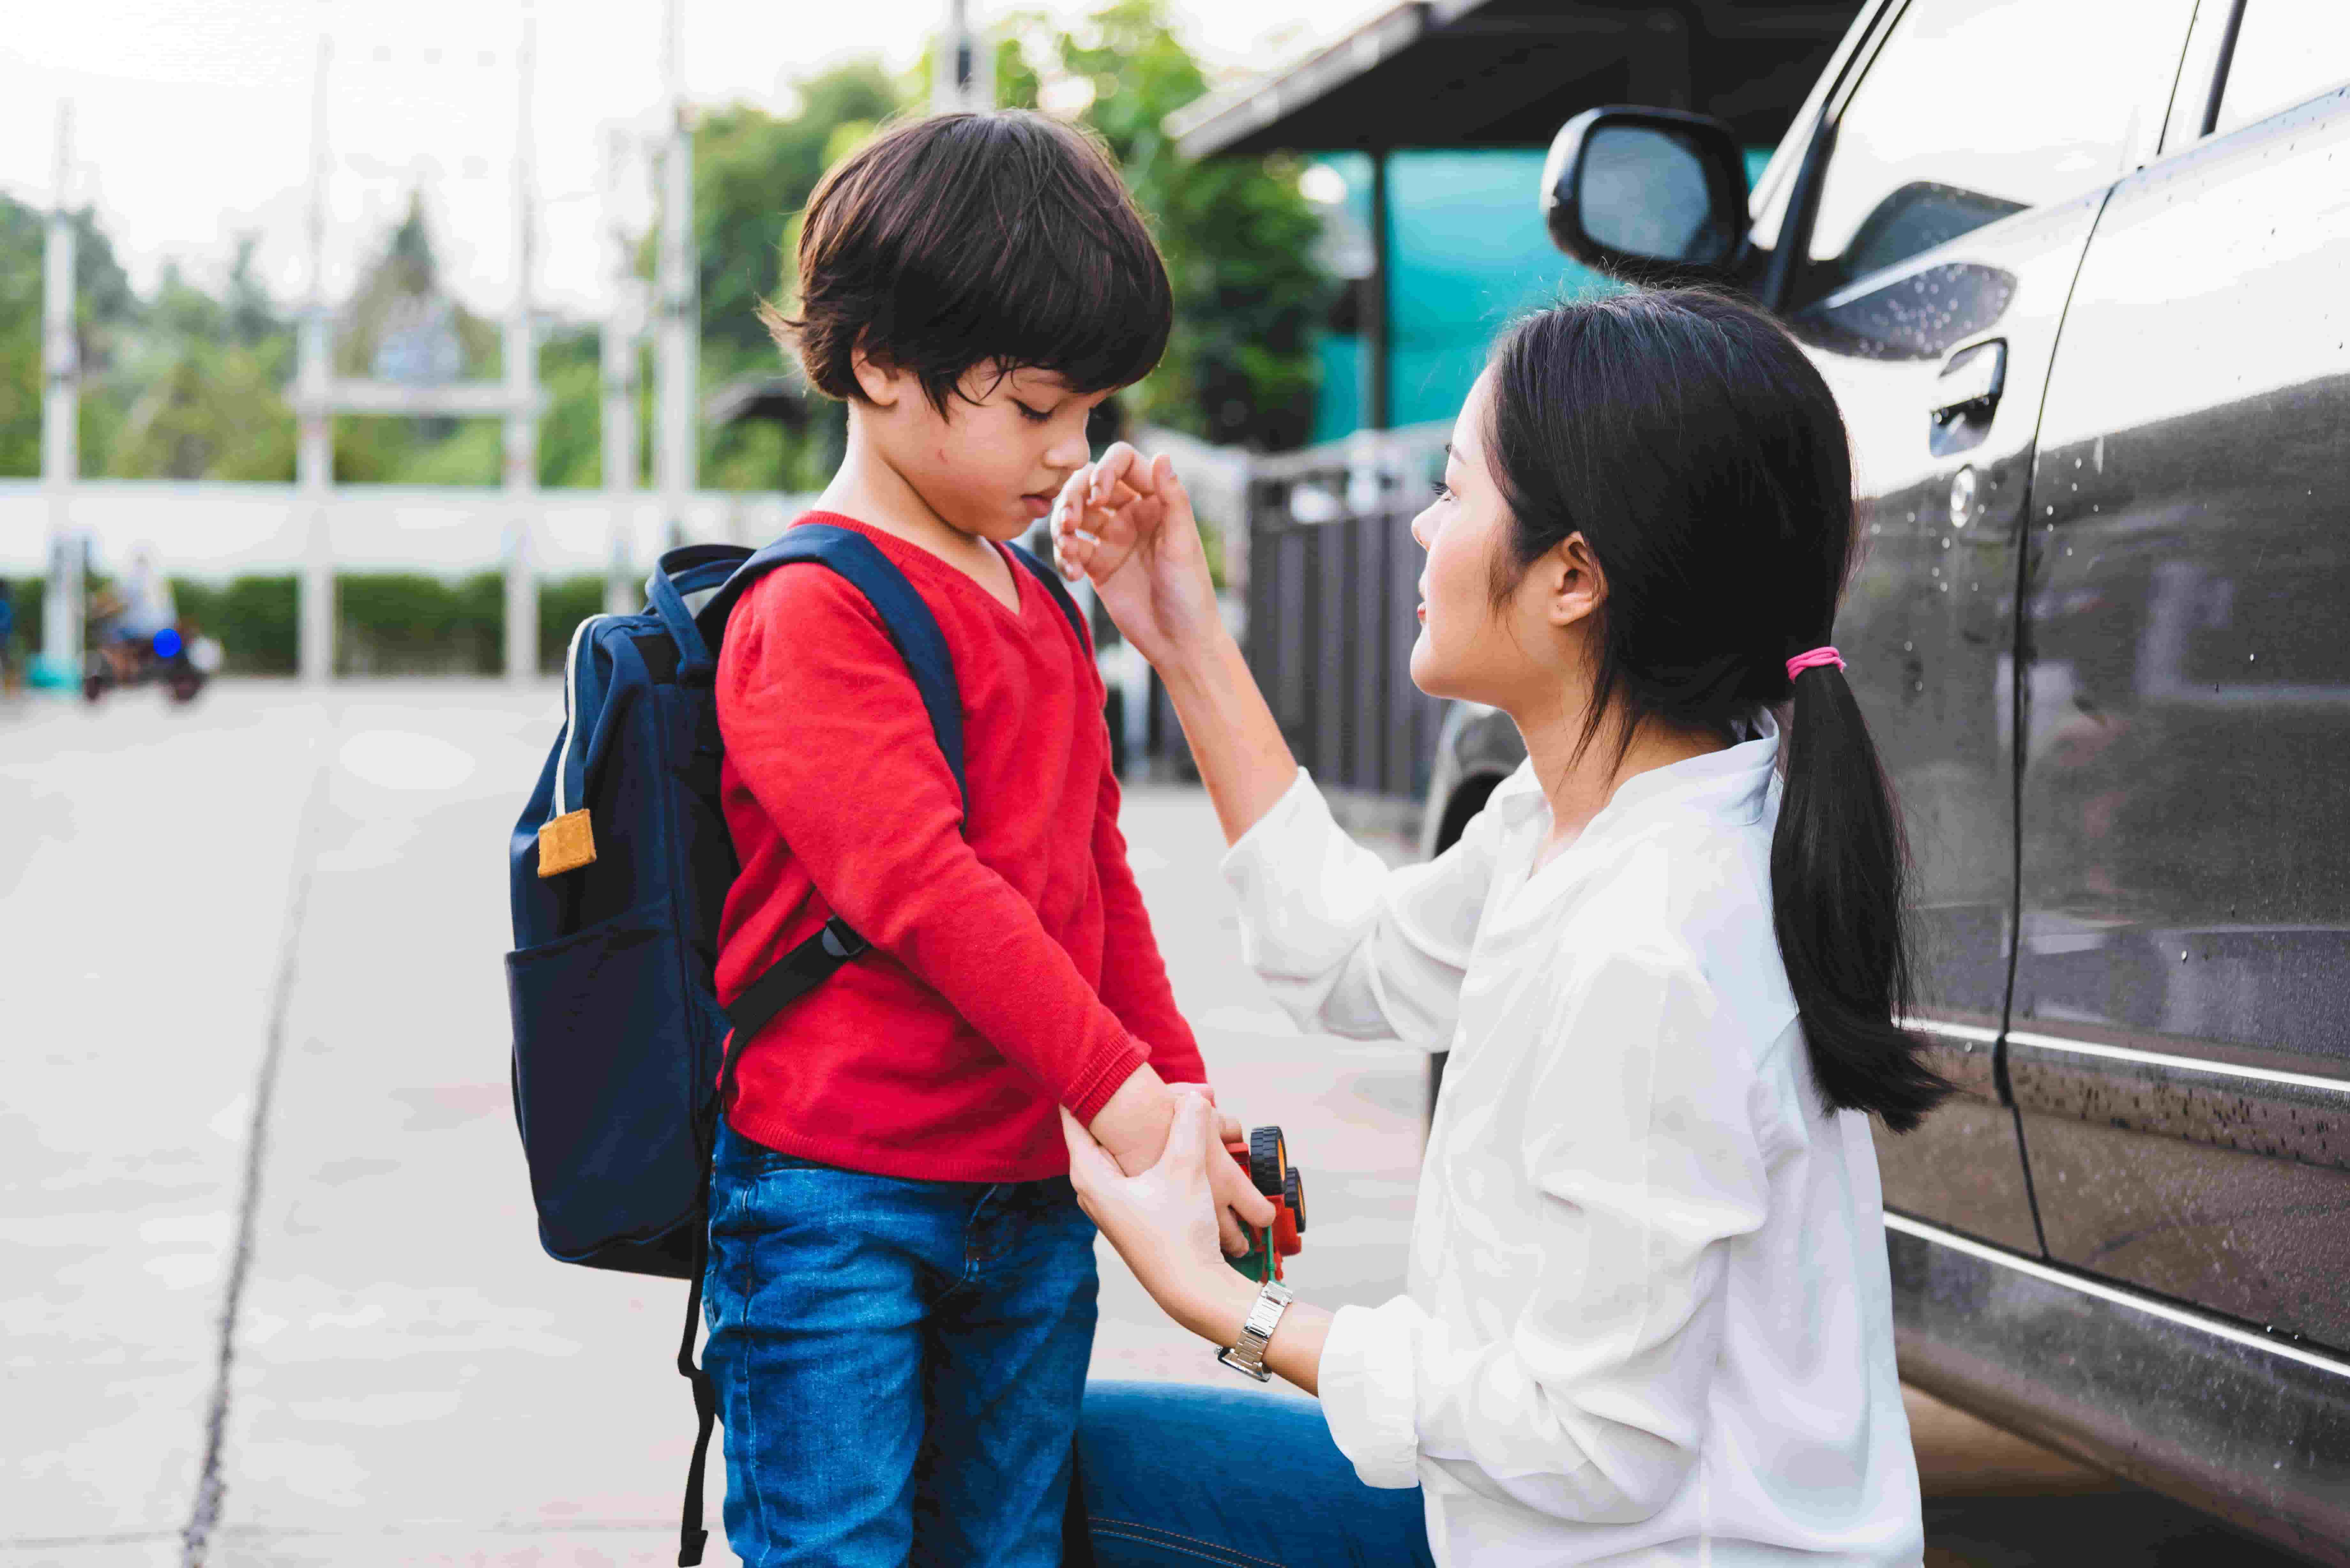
(841,942)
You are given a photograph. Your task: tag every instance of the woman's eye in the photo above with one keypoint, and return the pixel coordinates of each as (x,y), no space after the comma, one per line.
(1443,490)
(1034,416)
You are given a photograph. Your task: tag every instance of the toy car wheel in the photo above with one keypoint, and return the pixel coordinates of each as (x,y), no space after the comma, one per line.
(1293,1193)
(1268,1160)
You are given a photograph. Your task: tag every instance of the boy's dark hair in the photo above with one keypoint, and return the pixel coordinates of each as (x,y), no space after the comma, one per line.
(1002,239)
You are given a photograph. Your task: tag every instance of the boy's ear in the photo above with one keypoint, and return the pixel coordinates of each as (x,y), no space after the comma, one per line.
(882,384)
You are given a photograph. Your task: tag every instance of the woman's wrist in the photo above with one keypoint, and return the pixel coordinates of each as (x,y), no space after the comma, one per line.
(1197,660)
(1216,1305)
(1218,1309)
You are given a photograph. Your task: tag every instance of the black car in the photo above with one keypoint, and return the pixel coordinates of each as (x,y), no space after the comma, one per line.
(2079,272)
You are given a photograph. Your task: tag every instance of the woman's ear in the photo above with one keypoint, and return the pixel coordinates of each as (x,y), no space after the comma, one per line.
(1574,588)
(882,385)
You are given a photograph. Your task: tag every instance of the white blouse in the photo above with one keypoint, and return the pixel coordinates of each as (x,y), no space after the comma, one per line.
(1648,1316)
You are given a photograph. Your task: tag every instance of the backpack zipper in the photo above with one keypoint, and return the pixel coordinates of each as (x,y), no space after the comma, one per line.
(570,709)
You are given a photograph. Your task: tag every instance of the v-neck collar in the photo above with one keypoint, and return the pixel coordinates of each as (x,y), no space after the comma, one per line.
(904,551)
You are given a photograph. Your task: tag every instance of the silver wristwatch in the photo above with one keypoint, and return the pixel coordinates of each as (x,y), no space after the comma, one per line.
(1272,1300)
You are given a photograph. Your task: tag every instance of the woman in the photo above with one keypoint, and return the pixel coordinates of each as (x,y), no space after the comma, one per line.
(1649,1318)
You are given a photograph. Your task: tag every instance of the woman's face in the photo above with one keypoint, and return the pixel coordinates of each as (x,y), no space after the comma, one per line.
(1466,648)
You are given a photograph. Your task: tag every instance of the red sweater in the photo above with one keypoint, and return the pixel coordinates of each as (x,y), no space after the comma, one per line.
(1013,967)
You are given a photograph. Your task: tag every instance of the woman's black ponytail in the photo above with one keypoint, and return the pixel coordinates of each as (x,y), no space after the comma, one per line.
(1702,457)
(1838,901)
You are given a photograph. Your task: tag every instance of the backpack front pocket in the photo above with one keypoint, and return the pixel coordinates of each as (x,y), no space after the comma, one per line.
(608,1037)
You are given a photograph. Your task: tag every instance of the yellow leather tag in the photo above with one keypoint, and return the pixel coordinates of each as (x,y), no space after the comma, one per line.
(566,844)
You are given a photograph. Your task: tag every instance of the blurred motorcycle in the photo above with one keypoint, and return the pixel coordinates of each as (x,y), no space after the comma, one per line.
(177,659)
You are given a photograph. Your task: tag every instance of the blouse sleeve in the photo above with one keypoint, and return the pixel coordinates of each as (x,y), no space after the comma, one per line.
(1643,1141)
(1345,944)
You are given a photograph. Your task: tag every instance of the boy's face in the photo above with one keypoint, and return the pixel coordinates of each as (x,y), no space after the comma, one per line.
(990,464)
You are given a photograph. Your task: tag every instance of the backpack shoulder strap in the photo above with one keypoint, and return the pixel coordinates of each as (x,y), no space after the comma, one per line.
(923,647)
(1059,590)
(903,615)
(690,569)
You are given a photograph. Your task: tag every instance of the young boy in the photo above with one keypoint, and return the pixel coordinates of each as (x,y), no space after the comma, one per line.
(901,1283)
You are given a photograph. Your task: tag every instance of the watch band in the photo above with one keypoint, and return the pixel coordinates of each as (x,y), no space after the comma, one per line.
(1272,1299)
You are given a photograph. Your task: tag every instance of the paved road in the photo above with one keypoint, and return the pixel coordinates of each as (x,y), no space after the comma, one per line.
(256,1045)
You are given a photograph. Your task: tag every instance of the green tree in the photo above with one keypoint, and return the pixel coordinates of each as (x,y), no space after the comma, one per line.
(203,389)
(753,172)
(104,305)
(1237,233)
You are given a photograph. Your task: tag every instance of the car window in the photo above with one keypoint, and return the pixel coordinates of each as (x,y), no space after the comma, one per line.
(1977,108)
(2287,52)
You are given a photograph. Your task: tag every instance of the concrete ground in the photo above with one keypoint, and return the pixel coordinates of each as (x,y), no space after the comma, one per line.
(269,1282)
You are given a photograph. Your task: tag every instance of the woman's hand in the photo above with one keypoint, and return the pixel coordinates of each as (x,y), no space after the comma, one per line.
(1127,524)
(1163,1221)
(1133,1128)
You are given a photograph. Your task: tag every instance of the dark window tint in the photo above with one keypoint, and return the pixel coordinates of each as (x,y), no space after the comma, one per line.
(2287,52)
(1977,108)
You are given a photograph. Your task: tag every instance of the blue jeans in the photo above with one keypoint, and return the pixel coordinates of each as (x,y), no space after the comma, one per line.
(899,1363)
(1176,1475)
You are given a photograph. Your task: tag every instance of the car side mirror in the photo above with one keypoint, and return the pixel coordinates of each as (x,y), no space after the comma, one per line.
(1652,195)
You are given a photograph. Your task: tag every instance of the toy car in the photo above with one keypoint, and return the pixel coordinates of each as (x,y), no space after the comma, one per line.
(1266,1157)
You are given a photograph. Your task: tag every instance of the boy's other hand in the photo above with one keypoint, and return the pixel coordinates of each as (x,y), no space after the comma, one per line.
(1127,524)
(1132,1127)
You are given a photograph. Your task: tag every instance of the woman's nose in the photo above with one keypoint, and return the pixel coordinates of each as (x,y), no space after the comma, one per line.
(1419,530)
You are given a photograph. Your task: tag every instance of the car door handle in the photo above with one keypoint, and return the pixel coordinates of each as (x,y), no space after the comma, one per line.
(1972,382)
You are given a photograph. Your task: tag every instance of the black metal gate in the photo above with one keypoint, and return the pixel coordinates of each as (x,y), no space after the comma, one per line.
(1332,586)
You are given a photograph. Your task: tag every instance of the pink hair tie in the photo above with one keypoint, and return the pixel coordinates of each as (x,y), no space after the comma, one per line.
(1816,656)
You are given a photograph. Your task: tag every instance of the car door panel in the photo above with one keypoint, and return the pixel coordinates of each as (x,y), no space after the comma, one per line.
(2177,1201)
(2180,1043)
(1927,630)
(1963,171)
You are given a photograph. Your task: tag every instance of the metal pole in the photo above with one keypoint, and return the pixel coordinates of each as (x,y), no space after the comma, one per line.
(61,613)
(623,326)
(674,457)
(1379,409)
(521,353)
(314,457)
(962,71)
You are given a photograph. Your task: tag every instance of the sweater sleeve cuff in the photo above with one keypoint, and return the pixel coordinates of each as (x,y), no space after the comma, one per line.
(1108,1072)
(1367,1386)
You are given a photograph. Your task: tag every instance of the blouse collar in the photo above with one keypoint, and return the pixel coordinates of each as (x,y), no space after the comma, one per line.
(1732,784)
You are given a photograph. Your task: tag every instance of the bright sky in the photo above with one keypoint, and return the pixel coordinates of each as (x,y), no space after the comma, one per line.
(193,117)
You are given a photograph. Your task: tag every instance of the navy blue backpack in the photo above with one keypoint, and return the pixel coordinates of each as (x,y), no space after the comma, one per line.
(619,868)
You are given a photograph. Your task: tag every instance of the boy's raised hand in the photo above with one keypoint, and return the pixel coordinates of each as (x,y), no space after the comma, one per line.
(1127,523)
